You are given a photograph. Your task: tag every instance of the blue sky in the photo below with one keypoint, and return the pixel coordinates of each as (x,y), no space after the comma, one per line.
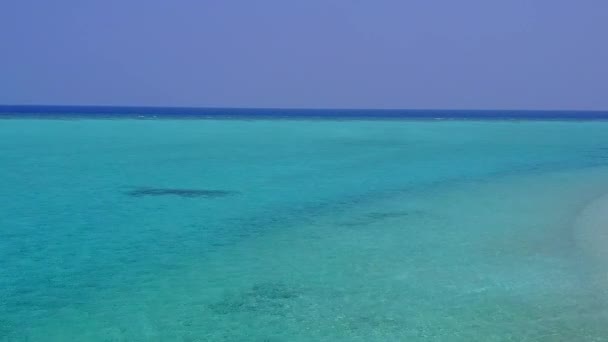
(477,54)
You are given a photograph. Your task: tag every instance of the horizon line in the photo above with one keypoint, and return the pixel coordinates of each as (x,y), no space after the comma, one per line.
(96,106)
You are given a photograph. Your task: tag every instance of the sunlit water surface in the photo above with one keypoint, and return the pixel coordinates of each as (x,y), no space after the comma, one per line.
(300,230)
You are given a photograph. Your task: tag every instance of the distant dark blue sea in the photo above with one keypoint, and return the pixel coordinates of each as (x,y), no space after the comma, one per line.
(276,113)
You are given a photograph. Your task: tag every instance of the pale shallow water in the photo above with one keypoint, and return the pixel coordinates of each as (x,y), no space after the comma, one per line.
(299,230)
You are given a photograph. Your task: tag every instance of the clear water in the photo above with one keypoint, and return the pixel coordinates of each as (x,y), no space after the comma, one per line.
(299,230)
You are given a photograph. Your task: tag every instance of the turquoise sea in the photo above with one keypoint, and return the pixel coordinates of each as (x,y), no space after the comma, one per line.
(363,229)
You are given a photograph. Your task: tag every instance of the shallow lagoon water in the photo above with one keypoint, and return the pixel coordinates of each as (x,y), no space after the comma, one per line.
(299,230)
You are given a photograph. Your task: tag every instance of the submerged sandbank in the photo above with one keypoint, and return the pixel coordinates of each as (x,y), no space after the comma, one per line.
(591,230)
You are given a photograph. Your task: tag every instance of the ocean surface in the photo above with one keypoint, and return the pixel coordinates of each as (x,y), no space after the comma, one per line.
(154,227)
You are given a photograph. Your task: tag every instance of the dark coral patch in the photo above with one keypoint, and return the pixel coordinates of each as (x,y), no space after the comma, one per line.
(269,298)
(188,193)
(375,217)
